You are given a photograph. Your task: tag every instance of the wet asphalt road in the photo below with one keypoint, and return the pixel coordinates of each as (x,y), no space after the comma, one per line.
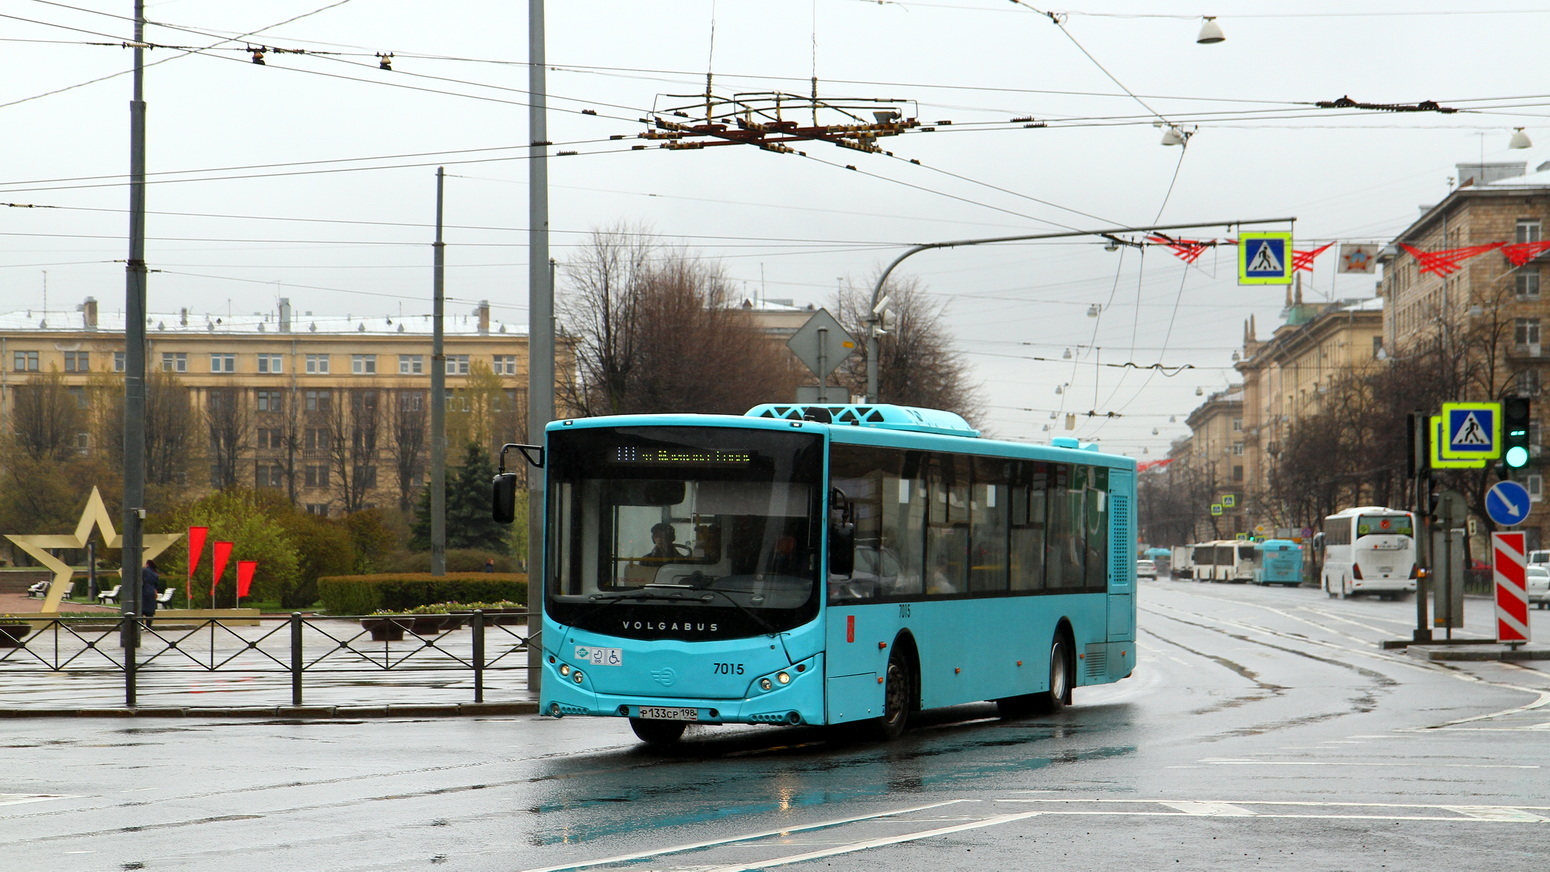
(1264,729)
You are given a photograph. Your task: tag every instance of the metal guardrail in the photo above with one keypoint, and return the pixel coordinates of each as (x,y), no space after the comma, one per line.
(296,645)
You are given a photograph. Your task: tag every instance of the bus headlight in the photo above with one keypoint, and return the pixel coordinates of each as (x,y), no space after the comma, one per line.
(577,676)
(765,684)
(784,678)
(565,669)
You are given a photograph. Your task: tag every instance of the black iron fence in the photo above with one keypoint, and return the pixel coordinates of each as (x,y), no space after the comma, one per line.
(358,650)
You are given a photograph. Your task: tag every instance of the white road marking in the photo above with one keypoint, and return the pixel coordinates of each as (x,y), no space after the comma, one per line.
(1209,809)
(19,798)
(695,846)
(851,848)
(1371,765)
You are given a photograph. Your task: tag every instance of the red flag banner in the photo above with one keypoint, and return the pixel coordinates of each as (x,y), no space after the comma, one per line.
(1188,250)
(1446,263)
(196,550)
(1303,260)
(222,553)
(1520,253)
(245,570)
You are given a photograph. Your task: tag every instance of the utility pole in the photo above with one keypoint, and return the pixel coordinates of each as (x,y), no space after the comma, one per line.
(540,324)
(134,347)
(438,395)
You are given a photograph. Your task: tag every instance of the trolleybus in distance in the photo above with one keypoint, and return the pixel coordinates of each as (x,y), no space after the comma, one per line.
(1369,549)
(825,564)
(1280,562)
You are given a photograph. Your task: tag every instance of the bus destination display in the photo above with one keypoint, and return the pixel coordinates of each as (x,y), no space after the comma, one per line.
(640,455)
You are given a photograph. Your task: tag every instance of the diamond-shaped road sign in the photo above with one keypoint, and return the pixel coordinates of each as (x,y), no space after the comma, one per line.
(822,343)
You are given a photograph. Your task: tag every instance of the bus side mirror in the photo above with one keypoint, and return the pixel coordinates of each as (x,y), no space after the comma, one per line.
(842,534)
(504,503)
(842,549)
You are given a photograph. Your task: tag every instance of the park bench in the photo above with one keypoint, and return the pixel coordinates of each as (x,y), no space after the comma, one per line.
(39,590)
(109,596)
(164,598)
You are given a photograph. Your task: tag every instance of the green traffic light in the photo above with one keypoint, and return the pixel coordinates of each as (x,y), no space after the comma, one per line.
(1516,457)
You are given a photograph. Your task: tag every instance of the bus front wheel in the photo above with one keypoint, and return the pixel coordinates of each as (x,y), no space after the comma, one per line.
(898,696)
(657,732)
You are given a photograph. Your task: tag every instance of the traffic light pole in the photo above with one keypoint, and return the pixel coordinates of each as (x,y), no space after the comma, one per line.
(1421,477)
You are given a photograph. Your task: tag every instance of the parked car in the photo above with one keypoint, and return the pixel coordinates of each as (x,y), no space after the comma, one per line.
(1146,569)
(1537,575)
(1539,556)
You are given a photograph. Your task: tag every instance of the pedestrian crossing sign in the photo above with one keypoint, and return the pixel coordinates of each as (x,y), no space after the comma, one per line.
(1437,440)
(1264,258)
(1471,431)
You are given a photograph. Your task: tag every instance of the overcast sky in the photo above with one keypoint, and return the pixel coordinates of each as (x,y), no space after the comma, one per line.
(313,176)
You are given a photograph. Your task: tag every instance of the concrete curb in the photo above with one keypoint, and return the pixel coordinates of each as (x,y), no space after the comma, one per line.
(320,712)
(1477,653)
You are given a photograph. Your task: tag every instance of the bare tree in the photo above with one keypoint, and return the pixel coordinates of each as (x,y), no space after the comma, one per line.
(917,364)
(658,331)
(226,417)
(352,450)
(409,440)
(47,417)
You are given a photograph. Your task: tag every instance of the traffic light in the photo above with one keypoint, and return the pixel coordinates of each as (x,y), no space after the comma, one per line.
(1515,427)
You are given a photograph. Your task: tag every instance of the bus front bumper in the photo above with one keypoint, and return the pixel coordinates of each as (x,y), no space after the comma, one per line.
(770,699)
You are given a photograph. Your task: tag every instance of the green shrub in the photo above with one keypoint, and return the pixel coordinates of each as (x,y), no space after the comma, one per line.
(364,594)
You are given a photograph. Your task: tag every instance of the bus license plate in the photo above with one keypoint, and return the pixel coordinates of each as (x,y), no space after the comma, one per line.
(654,713)
(1386,570)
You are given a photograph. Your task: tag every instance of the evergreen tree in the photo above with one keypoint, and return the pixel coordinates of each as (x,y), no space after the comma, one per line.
(470,524)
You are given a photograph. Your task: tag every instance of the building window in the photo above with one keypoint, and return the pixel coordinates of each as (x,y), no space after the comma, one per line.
(366,476)
(82,442)
(174,361)
(318,401)
(223,363)
(25,361)
(268,438)
(455,401)
(1527,284)
(1237,473)
(1525,331)
(77,361)
(80,397)
(505,364)
(271,476)
(270,401)
(1528,230)
(319,509)
(317,439)
(457,364)
(317,476)
(411,364)
(272,364)
(363,364)
(410,401)
(120,361)
(317,364)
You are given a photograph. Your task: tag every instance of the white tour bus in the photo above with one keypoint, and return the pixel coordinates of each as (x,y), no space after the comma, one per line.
(1231,560)
(1369,549)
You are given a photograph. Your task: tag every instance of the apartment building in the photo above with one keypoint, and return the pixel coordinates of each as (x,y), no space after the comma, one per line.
(333,410)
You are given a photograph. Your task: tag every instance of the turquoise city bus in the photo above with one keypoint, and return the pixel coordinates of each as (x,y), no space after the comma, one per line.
(1280,562)
(825,564)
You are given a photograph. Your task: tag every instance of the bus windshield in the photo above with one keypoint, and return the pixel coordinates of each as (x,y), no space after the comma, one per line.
(668,532)
(1386,525)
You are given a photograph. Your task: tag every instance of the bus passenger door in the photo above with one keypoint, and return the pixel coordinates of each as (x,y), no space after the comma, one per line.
(1122,558)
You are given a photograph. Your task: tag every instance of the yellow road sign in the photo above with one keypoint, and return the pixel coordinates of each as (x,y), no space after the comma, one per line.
(1437,461)
(1264,258)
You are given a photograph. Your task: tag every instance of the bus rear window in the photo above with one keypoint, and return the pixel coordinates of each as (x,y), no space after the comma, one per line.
(1384,525)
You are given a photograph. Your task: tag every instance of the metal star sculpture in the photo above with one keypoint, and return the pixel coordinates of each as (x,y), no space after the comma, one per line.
(95,516)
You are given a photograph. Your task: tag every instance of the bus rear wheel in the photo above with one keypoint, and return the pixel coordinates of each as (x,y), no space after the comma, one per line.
(1059,693)
(657,732)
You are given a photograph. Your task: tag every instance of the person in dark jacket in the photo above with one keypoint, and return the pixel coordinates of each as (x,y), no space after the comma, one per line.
(150,586)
